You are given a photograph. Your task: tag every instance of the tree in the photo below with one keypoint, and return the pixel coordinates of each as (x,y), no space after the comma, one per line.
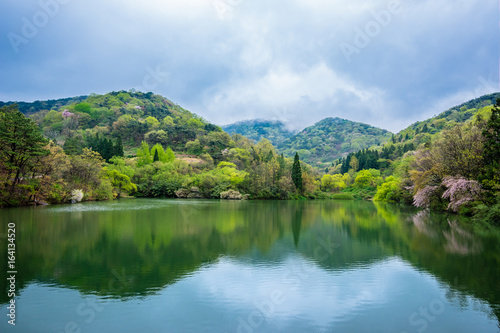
(143,155)
(388,191)
(354,163)
(491,155)
(297,173)
(118,148)
(169,155)
(460,151)
(281,167)
(364,178)
(21,142)
(73,145)
(460,191)
(119,181)
(156,158)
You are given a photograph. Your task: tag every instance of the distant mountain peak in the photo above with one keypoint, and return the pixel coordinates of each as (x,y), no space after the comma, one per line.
(275,131)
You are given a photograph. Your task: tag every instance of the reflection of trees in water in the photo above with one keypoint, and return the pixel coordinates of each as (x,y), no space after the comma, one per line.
(457,239)
(422,221)
(160,245)
(460,241)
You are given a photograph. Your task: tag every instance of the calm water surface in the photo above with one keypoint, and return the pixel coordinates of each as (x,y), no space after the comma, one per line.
(216,266)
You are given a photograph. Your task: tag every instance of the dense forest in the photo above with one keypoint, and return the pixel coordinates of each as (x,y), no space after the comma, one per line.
(142,144)
(32,107)
(332,138)
(126,143)
(258,129)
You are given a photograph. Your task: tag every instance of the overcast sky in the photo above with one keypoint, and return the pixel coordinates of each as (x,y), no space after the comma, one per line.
(387,63)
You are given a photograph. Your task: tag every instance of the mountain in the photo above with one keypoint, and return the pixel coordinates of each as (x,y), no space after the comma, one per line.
(32,107)
(129,116)
(332,138)
(274,131)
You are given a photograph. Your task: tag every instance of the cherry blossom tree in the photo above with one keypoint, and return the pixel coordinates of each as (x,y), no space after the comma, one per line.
(460,191)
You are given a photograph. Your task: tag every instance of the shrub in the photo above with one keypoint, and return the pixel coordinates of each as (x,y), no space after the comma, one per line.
(342,196)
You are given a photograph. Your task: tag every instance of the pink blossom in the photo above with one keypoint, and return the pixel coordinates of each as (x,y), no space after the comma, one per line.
(460,191)
(423,197)
(66,113)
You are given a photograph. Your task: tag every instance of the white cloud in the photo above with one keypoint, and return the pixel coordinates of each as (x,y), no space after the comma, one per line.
(279,59)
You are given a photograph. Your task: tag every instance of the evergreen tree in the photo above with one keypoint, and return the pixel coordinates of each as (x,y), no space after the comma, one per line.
(156,158)
(297,173)
(118,148)
(281,167)
(73,146)
(21,142)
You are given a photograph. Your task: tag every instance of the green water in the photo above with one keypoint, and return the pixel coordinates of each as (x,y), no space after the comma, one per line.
(253,266)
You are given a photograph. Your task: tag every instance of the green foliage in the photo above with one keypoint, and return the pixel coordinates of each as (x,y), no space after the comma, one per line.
(143,155)
(331,138)
(333,182)
(21,145)
(342,196)
(297,174)
(169,155)
(84,108)
(363,178)
(274,131)
(119,181)
(491,133)
(389,191)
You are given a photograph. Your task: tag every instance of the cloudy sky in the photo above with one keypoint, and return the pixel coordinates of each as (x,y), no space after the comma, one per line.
(388,63)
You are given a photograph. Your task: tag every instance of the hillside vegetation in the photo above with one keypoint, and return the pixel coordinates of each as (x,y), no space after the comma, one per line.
(274,131)
(131,143)
(450,162)
(32,107)
(332,138)
(135,143)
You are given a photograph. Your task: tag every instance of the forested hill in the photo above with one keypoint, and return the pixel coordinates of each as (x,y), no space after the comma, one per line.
(274,131)
(28,108)
(423,133)
(332,138)
(132,116)
(141,144)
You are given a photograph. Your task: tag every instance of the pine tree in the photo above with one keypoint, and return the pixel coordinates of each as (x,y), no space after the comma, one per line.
(156,158)
(118,148)
(21,142)
(297,173)
(73,146)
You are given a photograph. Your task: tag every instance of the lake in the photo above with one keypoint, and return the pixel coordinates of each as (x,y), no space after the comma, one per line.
(152,265)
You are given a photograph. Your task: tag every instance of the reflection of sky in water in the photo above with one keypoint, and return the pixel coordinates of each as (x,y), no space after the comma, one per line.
(226,297)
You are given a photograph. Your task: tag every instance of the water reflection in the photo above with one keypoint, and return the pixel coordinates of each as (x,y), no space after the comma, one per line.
(317,265)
